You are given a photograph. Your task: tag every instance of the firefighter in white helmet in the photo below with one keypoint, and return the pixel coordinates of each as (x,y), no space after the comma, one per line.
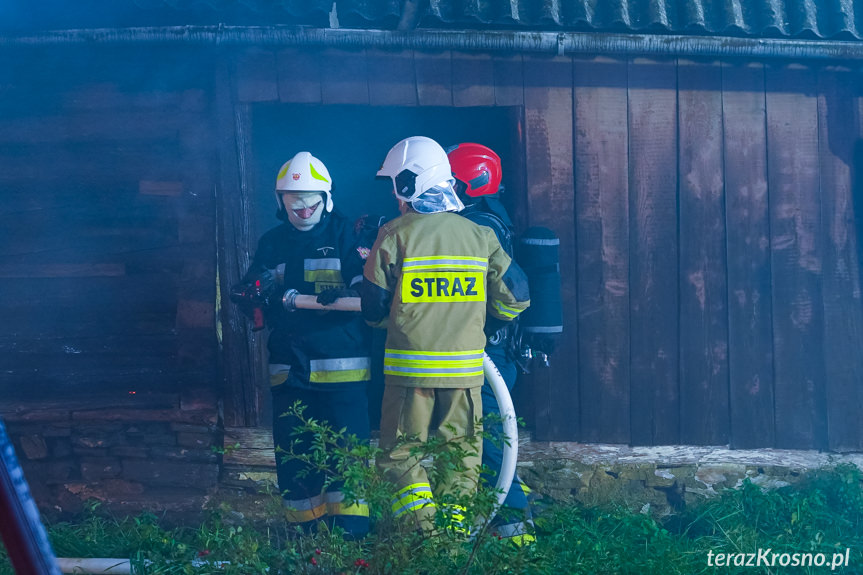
(430,279)
(320,358)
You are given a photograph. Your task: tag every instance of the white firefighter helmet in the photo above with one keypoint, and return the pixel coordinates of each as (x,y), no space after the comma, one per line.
(304,173)
(427,164)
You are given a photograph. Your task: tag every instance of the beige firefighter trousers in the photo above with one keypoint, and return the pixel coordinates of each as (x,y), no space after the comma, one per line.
(416,412)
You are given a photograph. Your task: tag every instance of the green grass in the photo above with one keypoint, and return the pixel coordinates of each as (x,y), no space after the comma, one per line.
(823,513)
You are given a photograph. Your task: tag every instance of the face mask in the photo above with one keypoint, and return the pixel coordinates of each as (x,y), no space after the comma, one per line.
(304,209)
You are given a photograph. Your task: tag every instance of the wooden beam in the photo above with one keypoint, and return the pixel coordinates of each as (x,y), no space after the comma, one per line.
(255,75)
(654,343)
(472,79)
(750,305)
(434,78)
(392,78)
(549,154)
(344,77)
(797,257)
(704,416)
(299,72)
(602,227)
(842,228)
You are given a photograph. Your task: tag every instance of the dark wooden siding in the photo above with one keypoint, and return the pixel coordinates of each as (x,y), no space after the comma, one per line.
(709,215)
(109,349)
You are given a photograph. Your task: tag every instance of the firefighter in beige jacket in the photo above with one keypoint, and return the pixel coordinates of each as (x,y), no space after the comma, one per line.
(430,279)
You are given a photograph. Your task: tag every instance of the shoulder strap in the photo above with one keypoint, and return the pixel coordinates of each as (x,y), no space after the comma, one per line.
(501,230)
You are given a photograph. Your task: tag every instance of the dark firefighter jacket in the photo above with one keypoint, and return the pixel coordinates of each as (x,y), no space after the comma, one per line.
(324,350)
(435,276)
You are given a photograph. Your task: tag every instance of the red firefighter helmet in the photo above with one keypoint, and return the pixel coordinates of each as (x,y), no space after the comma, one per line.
(476,169)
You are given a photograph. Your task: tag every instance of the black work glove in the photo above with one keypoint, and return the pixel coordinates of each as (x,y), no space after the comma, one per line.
(327,297)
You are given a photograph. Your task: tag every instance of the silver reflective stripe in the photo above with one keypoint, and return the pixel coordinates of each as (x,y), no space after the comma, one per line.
(541,242)
(356,279)
(409,506)
(277,368)
(399,369)
(393,354)
(338,497)
(322,264)
(512,529)
(544,329)
(306,504)
(340,364)
(445,261)
(423,488)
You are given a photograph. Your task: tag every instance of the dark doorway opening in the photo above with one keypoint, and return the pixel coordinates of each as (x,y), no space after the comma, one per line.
(352,141)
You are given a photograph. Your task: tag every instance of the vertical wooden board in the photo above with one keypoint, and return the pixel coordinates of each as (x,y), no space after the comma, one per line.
(654,343)
(235,222)
(508,80)
(549,155)
(703,280)
(843,309)
(434,78)
(750,316)
(472,79)
(299,74)
(392,80)
(602,228)
(796,256)
(344,77)
(256,76)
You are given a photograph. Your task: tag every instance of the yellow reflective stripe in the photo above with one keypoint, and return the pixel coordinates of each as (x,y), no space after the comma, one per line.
(340,370)
(336,505)
(411,353)
(283,172)
(506,310)
(433,258)
(413,487)
(434,362)
(412,497)
(410,363)
(330,276)
(356,509)
(302,510)
(344,376)
(425,267)
(279,373)
(316,175)
(408,372)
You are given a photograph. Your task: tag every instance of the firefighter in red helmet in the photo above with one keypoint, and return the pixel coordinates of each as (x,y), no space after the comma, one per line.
(478,174)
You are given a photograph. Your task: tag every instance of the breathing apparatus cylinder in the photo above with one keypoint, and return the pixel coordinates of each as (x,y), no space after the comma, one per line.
(539,255)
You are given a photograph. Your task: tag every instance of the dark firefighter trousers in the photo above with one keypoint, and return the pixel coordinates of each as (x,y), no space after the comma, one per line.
(514,518)
(305,500)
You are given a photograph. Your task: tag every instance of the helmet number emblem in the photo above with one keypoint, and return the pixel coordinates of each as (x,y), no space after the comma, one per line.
(295,176)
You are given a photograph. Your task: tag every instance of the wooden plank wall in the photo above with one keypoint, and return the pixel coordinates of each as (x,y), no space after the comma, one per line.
(710,223)
(106,263)
(709,215)
(108,275)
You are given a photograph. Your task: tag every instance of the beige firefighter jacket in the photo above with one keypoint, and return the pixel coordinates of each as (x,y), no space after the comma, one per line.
(439,274)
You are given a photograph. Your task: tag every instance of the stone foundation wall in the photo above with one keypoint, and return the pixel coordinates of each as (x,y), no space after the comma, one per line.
(660,480)
(130,460)
(185,468)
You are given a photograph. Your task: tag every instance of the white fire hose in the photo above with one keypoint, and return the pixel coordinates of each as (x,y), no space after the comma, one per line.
(294,300)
